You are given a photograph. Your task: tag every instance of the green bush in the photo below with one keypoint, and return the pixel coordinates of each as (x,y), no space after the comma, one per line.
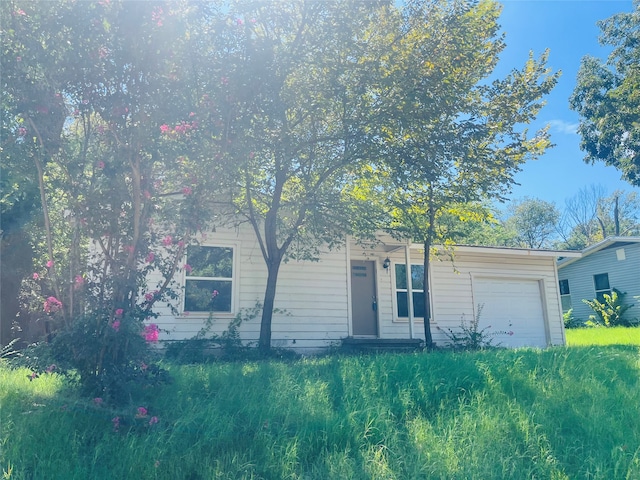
(610,313)
(470,336)
(570,321)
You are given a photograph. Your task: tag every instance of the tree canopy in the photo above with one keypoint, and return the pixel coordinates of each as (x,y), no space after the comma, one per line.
(143,116)
(607,97)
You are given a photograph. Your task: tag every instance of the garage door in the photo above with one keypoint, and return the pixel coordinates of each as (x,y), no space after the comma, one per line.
(511,305)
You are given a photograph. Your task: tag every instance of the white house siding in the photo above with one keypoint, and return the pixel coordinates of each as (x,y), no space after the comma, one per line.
(452,291)
(311,297)
(624,275)
(315,304)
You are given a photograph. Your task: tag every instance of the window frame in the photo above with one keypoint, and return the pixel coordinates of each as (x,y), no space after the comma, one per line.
(602,291)
(396,290)
(233,280)
(565,296)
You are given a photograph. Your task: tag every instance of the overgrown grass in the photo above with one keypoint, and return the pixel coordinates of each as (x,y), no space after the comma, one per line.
(556,414)
(603,336)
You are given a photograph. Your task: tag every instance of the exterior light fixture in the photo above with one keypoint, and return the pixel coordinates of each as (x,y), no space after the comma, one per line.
(386,263)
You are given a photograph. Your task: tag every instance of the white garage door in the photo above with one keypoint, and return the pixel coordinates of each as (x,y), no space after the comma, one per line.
(511,305)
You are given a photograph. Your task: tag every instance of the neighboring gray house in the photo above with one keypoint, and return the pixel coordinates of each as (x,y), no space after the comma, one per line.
(611,263)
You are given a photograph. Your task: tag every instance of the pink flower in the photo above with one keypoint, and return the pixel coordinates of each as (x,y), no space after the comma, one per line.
(100,164)
(167,241)
(116,423)
(36,276)
(156,16)
(142,412)
(181,244)
(22,131)
(187,191)
(128,249)
(52,305)
(50,264)
(187,268)
(151,333)
(150,257)
(33,376)
(97,401)
(144,366)
(165,129)
(116,325)
(215,293)
(148,296)
(153,420)
(119,312)
(78,281)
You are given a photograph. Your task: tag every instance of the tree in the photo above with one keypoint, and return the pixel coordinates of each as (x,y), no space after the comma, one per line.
(105,102)
(590,216)
(295,86)
(534,221)
(606,97)
(448,138)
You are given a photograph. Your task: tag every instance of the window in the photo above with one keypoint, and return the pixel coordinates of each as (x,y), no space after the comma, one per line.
(601,282)
(565,295)
(209,281)
(417,285)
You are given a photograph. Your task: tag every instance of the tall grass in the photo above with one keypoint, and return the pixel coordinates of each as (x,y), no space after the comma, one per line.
(556,414)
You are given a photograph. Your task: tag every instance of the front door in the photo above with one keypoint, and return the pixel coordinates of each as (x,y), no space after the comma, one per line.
(364,304)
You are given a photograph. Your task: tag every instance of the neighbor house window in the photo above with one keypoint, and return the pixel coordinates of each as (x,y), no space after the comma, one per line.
(417,285)
(601,283)
(565,295)
(209,279)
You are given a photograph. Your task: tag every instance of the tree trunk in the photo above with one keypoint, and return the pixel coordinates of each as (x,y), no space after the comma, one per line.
(428,339)
(616,216)
(273,267)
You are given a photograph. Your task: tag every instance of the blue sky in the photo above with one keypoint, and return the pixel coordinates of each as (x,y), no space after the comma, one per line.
(568,29)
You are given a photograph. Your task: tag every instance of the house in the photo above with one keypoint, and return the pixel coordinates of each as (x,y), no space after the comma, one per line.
(611,263)
(361,291)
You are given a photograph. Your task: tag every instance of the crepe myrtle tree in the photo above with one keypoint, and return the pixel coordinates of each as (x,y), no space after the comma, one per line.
(105,102)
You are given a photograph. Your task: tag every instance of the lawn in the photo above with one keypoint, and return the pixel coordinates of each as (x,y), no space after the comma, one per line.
(603,336)
(561,413)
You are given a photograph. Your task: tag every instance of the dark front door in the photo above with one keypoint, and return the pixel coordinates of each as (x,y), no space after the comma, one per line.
(364,304)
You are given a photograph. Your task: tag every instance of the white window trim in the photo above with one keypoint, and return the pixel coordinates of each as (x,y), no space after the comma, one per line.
(565,295)
(234,284)
(395,290)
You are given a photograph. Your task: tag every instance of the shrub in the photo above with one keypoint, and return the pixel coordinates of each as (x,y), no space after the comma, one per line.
(610,313)
(470,336)
(200,347)
(570,321)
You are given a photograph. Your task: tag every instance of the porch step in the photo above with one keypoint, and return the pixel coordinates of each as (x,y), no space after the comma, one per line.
(351,344)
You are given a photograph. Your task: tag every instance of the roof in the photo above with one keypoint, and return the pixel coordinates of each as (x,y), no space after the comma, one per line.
(606,243)
(530,252)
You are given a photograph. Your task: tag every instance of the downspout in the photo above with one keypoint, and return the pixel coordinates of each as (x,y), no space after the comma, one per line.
(407,261)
